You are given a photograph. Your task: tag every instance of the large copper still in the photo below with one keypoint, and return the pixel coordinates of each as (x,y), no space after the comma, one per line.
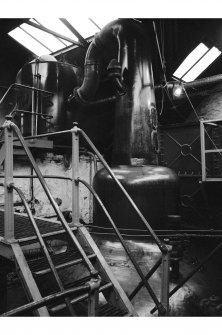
(155,189)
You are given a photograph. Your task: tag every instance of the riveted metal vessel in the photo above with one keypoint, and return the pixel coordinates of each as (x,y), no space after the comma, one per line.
(155,189)
(56,77)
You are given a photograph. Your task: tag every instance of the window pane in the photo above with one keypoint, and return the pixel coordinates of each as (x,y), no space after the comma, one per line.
(65,43)
(20,36)
(47,39)
(202,64)
(190,60)
(57,26)
(84,26)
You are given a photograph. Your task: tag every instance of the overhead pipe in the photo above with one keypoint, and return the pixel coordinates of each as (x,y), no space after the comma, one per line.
(195,84)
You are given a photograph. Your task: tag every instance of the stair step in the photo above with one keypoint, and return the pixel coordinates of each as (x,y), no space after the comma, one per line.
(51,234)
(24,230)
(110,310)
(62,260)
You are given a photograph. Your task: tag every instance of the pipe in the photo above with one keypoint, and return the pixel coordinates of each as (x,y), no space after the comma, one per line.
(194,84)
(100,46)
(87,91)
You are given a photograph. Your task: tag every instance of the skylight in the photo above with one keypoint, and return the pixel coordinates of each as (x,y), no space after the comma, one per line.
(202,64)
(51,42)
(56,25)
(41,42)
(30,43)
(84,26)
(196,62)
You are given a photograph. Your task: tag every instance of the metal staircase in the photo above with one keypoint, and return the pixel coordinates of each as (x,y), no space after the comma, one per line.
(90,274)
(48,275)
(75,278)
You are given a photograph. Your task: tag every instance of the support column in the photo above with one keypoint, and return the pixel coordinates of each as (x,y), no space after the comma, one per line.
(164,299)
(202,147)
(75,175)
(9,211)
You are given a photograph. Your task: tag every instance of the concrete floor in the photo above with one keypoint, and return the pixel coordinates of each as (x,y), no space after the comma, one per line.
(186,301)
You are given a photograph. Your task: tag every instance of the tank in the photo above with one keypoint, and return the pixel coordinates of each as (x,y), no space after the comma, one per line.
(155,189)
(56,77)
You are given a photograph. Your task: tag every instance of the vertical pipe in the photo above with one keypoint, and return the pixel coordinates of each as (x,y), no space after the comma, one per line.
(37,80)
(75,174)
(9,213)
(33,111)
(202,147)
(35,100)
(164,298)
(90,194)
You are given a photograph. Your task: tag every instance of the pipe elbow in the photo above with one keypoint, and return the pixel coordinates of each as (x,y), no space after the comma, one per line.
(85,93)
(102,43)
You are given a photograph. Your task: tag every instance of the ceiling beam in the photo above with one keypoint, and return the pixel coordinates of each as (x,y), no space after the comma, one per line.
(74,31)
(80,44)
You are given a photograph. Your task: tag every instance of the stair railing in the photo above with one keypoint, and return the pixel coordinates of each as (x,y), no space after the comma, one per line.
(163,304)
(32,306)
(9,126)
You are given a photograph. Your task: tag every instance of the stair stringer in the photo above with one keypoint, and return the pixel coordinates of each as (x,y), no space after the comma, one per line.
(117,297)
(27,279)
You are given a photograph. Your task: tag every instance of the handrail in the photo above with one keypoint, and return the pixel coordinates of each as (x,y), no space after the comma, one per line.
(43,245)
(23,86)
(160,244)
(47,300)
(162,306)
(131,257)
(93,272)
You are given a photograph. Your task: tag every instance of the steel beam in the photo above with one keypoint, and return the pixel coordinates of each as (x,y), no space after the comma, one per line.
(75,175)
(49,31)
(9,213)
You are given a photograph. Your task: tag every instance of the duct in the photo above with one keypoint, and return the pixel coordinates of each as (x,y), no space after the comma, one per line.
(101,46)
(86,92)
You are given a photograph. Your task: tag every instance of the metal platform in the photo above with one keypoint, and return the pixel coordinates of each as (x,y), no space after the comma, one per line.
(24,228)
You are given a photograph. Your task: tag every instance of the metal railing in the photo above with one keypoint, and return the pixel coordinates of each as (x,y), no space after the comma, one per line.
(9,126)
(32,306)
(33,113)
(9,217)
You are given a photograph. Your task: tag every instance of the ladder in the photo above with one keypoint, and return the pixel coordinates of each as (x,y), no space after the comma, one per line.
(75,280)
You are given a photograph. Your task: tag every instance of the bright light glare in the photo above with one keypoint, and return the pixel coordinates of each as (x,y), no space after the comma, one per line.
(177,91)
(47,39)
(190,60)
(57,26)
(202,64)
(20,36)
(84,26)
